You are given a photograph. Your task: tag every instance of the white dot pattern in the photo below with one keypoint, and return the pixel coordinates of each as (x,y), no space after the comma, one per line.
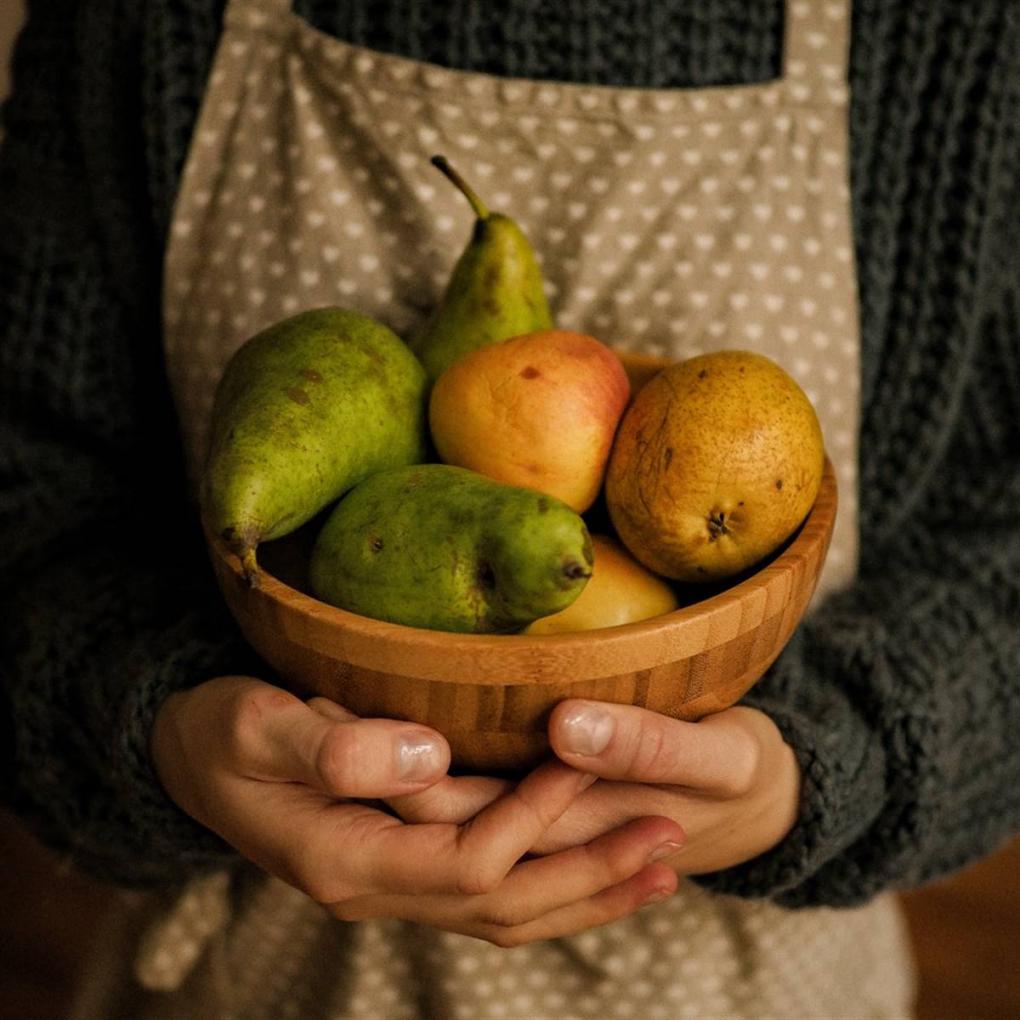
(669,222)
(697,955)
(673,223)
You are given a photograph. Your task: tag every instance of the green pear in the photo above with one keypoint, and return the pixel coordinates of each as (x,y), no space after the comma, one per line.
(495,291)
(304,411)
(441,547)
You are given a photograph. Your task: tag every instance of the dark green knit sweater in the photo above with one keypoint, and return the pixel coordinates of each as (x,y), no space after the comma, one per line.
(902,698)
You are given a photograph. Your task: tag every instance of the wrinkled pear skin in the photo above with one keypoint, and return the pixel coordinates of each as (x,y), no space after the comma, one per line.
(304,411)
(495,292)
(444,548)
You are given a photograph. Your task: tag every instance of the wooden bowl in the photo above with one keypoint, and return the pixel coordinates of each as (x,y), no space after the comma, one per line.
(491,695)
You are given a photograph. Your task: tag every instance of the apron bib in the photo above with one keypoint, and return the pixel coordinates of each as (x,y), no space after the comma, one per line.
(671,222)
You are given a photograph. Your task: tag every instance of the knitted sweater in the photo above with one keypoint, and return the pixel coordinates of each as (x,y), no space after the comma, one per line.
(901,697)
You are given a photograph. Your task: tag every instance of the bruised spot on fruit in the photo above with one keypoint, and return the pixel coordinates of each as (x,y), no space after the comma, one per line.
(311,375)
(375,544)
(298,395)
(703,373)
(530,372)
(667,457)
(779,484)
(486,576)
(535,469)
(543,505)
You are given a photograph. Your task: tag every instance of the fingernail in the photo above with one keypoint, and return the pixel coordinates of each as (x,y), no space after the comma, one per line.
(664,850)
(657,896)
(587,730)
(418,757)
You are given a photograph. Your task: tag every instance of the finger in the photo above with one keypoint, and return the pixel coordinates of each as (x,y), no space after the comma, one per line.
(651,885)
(331,710)
(301,836)
(491,842)
(454,799)
(473,858)
(537,887)
(278,737)
(718,755)
(335,851)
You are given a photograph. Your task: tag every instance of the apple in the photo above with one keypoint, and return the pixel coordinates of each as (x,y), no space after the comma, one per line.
(538,411)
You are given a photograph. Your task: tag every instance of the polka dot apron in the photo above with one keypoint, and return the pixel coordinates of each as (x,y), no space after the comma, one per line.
(667,221)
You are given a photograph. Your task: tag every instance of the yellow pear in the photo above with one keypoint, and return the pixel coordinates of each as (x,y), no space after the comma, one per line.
(619,591)
(716,462)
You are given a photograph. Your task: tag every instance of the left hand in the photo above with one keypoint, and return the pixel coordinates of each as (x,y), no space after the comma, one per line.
(729,781)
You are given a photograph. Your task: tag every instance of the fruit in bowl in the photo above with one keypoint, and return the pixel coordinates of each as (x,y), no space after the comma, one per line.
(468,596)
(619,591)
(538,411)
(305,410)
(442,547)
(717,461)
(494,292)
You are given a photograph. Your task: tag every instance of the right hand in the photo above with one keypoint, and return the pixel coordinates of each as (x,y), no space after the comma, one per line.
(281,780)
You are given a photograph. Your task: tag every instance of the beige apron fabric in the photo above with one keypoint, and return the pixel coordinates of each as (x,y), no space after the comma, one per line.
(667,221)
(672,222)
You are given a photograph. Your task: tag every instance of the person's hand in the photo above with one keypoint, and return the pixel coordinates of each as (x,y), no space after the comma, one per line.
(729,780)
(281,781)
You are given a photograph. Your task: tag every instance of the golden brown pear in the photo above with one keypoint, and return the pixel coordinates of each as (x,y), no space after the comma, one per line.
(716,463)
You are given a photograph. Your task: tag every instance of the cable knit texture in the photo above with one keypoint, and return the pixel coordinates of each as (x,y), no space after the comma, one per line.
(901,699)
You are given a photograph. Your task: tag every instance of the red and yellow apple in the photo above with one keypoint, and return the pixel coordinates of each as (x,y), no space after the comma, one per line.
(539,411)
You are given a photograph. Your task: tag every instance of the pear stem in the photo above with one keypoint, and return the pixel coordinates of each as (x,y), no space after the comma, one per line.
(480,208)
(249,566)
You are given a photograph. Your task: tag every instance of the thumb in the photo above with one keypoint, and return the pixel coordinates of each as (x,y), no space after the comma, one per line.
(331,750)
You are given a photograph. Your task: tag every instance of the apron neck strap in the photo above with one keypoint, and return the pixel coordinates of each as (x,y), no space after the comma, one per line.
(817,48)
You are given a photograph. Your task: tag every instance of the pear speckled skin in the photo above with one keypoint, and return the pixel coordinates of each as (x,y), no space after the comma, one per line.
(443,548)
(304,411)
(495,291)
(716,462)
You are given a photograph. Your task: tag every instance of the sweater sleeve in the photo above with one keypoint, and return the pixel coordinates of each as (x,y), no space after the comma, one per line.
(108,601)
